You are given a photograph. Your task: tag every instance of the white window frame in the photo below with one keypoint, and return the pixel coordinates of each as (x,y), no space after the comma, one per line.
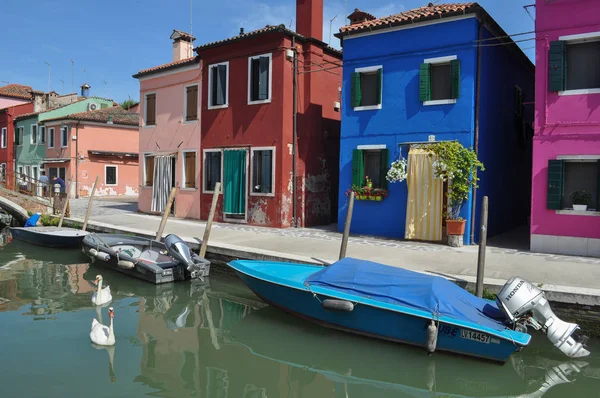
(31,135)
(64,144)
(144,176)
(204,152)
(368,69)
(183,180)
(575,159)
(576,39)
(106,166)
(273,163)
(146,108)
(20,132)
(185,121)
(3,137)
(437,61)
(270,56)
(210,84)
(51,134)
(42,136)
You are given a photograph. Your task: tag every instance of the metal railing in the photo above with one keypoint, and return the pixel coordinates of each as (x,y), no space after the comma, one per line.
(26,185)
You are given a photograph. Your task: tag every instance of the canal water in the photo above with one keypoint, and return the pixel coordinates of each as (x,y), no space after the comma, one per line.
(219,340)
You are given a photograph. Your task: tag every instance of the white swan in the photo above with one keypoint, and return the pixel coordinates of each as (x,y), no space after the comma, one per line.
(102,295)
(101,334)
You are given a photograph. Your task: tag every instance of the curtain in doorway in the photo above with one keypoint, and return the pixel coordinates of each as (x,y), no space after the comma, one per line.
(163,182)
(234,176)
(424,204)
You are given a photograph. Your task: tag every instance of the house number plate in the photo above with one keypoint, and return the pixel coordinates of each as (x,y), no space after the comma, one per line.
(475,336)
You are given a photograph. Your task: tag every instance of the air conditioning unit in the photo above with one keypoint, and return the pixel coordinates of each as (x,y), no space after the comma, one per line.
(92,106)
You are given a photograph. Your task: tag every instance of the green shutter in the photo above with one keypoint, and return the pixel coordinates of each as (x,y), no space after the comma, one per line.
(358,170)
(555,184)
(379,85)
(424,83)
(557,65)
(455,75)
(384,166)
(356,90)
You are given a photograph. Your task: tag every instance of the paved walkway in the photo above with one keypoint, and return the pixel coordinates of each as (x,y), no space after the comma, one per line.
(324,244)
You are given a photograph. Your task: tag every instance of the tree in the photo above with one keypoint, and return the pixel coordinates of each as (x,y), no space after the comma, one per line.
(128,104)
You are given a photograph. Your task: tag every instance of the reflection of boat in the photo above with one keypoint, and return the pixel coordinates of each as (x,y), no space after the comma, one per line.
(5,218)
(49,236)
(46,255)
(147,259)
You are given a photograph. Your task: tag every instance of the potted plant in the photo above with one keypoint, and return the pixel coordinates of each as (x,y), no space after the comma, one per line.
(397,171)
(459,165)
(581,200)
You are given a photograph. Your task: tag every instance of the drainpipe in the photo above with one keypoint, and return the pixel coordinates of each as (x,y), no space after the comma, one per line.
(77,160)
(476,144)
(295,131)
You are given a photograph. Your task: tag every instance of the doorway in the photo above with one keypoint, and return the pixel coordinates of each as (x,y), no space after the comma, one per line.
(235,164)
(163,182)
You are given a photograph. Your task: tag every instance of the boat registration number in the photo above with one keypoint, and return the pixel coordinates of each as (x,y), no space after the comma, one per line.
(475,336)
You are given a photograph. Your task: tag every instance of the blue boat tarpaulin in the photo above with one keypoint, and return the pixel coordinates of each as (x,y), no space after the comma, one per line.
(393,285)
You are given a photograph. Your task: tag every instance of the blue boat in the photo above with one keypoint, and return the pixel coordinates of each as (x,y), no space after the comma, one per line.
(386,302)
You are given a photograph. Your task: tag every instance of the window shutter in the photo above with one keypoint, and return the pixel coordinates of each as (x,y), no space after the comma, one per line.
(221,84)
(555,184)
(266,172)
(424,82)
(356,90)
(384,165)
(557,66)
(455,75)
(263,78)
(379,85)
(151,109)
(357,168)
(192,103)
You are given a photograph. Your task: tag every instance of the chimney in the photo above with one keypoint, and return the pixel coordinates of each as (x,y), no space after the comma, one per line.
(85,90)
(359,16)
(182,45)
(309,18)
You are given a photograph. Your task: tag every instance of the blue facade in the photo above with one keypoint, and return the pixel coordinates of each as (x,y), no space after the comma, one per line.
(403,118)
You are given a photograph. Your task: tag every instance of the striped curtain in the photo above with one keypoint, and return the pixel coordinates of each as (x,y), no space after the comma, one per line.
(424,204)
(163,182)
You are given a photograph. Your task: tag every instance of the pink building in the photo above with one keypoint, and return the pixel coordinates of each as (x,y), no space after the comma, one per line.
(565,213)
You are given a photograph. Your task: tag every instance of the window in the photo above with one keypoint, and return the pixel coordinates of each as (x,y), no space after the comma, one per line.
(212,169)
(191,103)
(262,170)
(572,64)
(189,169)
(148,170)
(439,80)
(2,172)
(567,176)
(64,136)
(367,88)
(218,85)
(34,173)
(19,136)
(110,175)
(59,172)
(51,137)
(3,138)
(150,110)
(259,79)
(371,161)
(34,134)
(20,172)
(43,135)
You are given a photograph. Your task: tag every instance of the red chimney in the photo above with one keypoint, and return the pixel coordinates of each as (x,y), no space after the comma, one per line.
(309,18)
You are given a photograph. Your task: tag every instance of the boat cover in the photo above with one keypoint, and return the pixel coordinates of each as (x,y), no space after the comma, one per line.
(393,285)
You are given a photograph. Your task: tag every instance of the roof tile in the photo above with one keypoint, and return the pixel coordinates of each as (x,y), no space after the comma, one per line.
(119,116)
(170,65)
(18,91)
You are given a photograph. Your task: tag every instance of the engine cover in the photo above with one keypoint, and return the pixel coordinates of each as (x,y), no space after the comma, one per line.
(178,249)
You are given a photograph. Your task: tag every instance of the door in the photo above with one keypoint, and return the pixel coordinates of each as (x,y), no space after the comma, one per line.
(162,182)
(234,184)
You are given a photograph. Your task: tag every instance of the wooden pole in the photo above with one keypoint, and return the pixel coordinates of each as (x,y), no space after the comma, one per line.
(347,226)
(482,246)
(64,209)
(89,209)
(163,222)
(211,216)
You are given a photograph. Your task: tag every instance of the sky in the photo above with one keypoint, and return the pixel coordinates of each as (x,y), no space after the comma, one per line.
(110,40)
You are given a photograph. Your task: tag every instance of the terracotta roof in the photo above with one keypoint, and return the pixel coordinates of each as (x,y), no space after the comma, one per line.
(18,91)
(170,65)
(119,116)
(431,11)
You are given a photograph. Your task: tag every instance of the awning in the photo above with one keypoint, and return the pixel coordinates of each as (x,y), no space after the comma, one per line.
(111,153)
(56,160)
(166,153)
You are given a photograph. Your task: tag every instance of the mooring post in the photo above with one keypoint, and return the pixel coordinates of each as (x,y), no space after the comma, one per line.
(347,226)
(482,246)
(163,221)
(89,209)
(211,216)
(64,209)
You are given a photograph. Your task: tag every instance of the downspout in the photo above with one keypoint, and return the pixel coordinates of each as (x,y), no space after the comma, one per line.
(476,144)
(294,131)
(77,160)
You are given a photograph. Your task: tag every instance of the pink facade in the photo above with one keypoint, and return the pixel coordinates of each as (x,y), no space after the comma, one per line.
(567,128)
(5,102)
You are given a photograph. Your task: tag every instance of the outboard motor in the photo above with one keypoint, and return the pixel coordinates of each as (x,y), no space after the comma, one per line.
(526,305)
(182,253)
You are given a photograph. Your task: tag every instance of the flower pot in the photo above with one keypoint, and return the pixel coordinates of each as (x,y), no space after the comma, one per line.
(371,197)
(361,197)
(378,198)
(370,185)
(580,207)
(455,227)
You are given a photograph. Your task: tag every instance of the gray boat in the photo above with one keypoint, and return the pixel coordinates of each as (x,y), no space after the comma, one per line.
(56,237)
(146,259)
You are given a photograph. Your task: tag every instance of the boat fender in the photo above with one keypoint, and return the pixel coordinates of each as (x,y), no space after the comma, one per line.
(93,252)
(125,264)
(338,305)
(431,337)
(103,256)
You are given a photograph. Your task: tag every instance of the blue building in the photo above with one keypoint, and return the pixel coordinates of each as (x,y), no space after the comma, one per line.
(439,72)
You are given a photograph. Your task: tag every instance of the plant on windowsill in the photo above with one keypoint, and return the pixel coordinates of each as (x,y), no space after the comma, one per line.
(459,165)
(368,193)
(581,200)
